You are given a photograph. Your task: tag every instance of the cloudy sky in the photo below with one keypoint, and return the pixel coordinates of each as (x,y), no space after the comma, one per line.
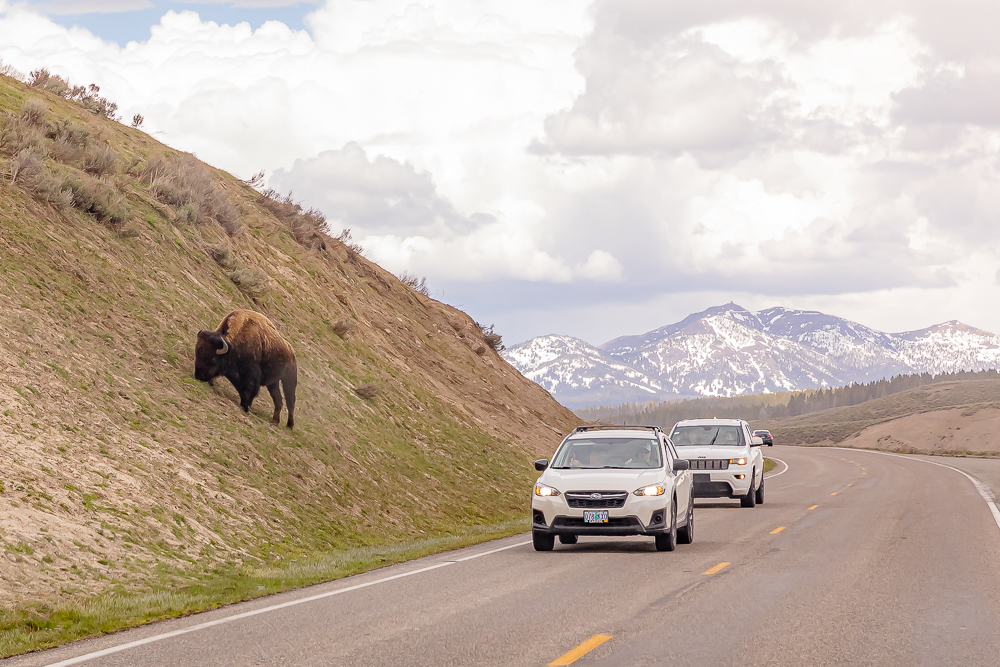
(591,168)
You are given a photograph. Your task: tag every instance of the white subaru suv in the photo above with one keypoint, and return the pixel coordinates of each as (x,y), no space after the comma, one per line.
(725,458)
(613,480)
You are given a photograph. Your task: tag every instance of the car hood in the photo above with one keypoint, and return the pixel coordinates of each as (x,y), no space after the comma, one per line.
(604,479)
(712,452)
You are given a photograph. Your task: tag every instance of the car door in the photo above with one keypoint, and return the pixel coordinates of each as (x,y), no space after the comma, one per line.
(756,456)
(682,480)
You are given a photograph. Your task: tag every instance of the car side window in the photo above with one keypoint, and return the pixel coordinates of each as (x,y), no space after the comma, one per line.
(670,446)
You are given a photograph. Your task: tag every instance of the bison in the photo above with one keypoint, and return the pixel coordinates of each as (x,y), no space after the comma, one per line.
(249,351)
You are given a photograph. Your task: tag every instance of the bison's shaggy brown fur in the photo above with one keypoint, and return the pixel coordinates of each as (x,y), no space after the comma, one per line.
(248,351)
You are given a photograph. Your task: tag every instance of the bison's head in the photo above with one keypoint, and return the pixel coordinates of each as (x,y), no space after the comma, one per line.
(209,353)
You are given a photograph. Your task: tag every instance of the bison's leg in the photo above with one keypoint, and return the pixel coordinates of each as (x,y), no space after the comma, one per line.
(249,388)
(288,383)
(276,397)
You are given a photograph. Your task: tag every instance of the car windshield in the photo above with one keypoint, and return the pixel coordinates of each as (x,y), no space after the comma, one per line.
(691,436)
(580,453)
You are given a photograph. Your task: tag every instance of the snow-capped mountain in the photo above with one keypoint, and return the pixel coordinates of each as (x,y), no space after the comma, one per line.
(580,374)
(730,351)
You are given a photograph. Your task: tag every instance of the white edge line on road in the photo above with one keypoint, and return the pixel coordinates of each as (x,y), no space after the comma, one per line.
(777,473)
(984,491)
(264,610)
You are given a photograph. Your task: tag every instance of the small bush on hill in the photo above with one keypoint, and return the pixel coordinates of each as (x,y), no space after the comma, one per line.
(417,285)
(24,131)
(308,227)
(250,281)
(367,391)
(223,255)
(343,327)
(99,199)
(87,96)
(185,182)
(186,215)
(100,161)
(493,339)
(69,140)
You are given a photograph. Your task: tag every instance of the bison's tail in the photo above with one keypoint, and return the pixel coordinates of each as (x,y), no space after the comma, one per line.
(288,384)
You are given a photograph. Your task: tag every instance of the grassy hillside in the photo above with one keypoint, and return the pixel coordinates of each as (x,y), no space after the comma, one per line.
(130,491)
(835,425)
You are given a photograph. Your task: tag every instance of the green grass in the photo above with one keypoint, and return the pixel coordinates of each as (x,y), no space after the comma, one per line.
(41,626)
(769,465)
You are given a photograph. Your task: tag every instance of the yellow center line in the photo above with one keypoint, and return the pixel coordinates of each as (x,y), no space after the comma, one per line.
(580,651)
(834,493)
(777,530)
(813,507)
(850,485)
(717,568)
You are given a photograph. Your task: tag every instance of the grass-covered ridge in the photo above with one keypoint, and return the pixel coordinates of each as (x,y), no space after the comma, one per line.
(122,476)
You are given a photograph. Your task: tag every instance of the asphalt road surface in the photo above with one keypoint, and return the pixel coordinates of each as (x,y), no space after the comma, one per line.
(856,558)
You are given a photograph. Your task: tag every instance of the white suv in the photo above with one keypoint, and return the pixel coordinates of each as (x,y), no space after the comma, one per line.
(613,480)
(725,458)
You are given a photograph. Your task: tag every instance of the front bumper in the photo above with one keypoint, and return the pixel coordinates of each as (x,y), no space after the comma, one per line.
(640,516)
(723,484)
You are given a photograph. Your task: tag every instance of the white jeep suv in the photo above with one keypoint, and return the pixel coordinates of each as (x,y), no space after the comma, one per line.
(725,458)
(613,480)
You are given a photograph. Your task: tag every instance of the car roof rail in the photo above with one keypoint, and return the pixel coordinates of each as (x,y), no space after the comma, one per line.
(614,427)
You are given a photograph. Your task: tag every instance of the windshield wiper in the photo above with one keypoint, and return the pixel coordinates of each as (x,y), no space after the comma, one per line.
(714,437)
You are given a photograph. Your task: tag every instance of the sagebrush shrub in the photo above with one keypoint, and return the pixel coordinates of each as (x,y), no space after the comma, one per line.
(99,199)
(100,160)
(186,215)
(222,254)
(19,135)
(367,391)
(26,167)
(414,283)
(251,281)
(343,327)
(33,112)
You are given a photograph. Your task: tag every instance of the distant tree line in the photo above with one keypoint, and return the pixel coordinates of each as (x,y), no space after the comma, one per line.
(759,407)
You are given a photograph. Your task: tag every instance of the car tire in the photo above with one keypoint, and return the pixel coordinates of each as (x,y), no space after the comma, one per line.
(668,541)
(750,499)
(685,535)
(759,496)
(569,539)
(543,541)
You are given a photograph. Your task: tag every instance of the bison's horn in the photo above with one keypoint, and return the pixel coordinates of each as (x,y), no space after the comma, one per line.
(224,349)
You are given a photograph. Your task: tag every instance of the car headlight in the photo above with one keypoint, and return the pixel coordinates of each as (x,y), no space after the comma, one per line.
(545,491)
(654,490)
(738,462)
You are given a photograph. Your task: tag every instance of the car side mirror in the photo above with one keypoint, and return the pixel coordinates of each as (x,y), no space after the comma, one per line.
(756,441)
(681,464)
(541,464)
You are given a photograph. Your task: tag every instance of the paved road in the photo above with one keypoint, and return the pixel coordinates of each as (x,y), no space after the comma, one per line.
(897,564)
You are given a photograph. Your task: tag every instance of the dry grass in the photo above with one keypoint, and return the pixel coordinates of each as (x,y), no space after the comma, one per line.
(100,161)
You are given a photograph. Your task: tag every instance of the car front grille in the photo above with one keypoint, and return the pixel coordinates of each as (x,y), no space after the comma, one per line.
(709,464)
(606,499)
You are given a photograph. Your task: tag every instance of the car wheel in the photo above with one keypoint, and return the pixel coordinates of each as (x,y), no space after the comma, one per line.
(750,499)
(668,541)
(569,539)
(685,535)
(759,496)
(543,541)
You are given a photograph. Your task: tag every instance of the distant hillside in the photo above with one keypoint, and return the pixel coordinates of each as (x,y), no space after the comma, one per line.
(123,476)
(765,407)
(728,351)
(839,425)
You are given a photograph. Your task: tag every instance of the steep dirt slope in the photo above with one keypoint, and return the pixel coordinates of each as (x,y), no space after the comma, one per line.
(946,417)
(119,472)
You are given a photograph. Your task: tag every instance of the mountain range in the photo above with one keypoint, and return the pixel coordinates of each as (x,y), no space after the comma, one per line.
(731,351)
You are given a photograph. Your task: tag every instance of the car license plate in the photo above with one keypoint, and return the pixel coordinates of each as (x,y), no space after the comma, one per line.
(595,516)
